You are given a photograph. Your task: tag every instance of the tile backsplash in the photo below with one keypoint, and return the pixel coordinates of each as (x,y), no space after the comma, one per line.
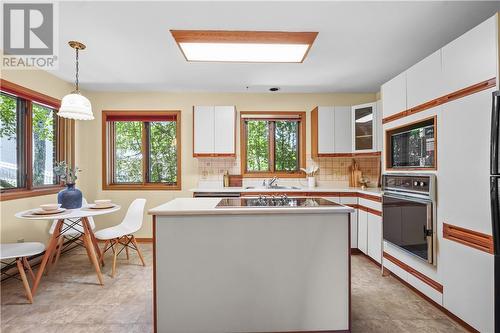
(331,169)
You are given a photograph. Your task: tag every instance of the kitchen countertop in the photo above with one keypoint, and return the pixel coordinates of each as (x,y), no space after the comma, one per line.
(206,206)
(370,191)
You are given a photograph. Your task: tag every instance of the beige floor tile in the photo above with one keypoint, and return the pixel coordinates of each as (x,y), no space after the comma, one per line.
(70,300)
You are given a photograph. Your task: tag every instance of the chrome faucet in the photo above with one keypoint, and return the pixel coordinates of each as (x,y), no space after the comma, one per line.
(269,182)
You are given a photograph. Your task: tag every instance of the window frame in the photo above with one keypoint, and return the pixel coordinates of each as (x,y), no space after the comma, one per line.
(273,115)
(65,141)
(108,151)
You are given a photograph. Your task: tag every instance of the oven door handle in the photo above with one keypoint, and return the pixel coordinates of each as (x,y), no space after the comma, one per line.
(408,198)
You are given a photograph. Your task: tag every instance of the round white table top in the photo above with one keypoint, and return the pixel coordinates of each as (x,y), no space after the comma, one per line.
(68,214)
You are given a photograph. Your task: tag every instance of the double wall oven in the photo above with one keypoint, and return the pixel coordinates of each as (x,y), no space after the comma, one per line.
(409,210)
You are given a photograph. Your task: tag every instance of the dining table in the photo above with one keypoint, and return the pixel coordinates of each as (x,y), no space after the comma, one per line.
(66,220)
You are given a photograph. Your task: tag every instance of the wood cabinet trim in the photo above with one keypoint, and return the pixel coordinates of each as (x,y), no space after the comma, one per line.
(467,237)
(314,133)
(366,154)
(424,278)
(442,100)
(370,197)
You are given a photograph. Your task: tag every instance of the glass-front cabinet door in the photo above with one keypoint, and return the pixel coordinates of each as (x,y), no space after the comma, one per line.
(364,127)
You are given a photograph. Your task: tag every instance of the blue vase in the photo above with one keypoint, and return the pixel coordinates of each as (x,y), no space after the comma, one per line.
(70,197)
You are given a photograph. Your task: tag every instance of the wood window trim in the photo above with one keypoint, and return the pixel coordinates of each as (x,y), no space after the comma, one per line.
(65,149)
(302,144)
(388,146)
(108,143)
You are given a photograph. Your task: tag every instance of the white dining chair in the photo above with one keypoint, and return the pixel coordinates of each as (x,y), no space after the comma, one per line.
(71,231)
(20,253)
(121,236)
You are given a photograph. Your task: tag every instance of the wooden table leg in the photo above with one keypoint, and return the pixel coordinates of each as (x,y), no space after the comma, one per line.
(94,240)
(91,248)
(48,254)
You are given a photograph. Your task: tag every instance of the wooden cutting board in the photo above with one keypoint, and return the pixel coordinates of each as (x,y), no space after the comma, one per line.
(235,181)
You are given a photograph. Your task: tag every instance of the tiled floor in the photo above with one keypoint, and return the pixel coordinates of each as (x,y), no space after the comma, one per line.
(70,301)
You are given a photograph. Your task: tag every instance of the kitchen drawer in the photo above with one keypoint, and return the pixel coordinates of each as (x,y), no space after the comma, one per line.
(370,204)
(348,200)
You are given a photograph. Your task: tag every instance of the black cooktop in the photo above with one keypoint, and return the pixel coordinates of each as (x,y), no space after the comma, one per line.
(277,202)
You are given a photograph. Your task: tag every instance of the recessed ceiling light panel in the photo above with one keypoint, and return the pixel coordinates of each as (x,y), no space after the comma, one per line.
(244,46)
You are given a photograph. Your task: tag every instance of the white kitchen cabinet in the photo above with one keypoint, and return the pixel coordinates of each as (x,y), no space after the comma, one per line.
(464,155)
(331,130)
(394,95)
(374,237)
(326,125)
(363,231)
(214,131)
(354,229)
(424,80)
(468,284)
(342,129)
(364,127)
(472,57)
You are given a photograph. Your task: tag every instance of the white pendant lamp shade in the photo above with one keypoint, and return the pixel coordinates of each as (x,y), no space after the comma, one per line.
(76,106)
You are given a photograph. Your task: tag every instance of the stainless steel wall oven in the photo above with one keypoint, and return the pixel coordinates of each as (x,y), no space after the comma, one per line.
(409,213)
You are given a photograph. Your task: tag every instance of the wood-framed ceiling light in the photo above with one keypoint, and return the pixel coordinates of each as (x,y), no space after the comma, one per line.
(244,46)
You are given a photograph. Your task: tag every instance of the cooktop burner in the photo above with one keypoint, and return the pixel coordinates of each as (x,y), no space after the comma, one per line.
(282,201)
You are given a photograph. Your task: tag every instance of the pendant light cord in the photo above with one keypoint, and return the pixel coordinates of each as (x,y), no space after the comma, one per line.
(77,68)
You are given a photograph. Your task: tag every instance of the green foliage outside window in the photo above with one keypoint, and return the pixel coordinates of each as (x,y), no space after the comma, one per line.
(128,153)
(161,155)
(257,145)
(163,152)
(286,146)
(285,136)
(43,142)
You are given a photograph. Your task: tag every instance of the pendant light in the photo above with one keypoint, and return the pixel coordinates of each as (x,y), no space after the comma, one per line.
(75,105)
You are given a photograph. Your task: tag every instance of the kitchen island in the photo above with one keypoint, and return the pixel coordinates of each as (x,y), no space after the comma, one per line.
(251,265)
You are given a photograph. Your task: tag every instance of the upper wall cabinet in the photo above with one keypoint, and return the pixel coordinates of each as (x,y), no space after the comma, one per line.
(330,130)
(394,95)
(364,127)
(214,131)
(471,58)
(424,81)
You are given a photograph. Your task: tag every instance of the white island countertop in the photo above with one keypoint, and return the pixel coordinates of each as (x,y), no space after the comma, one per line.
(370,191)
(207,206)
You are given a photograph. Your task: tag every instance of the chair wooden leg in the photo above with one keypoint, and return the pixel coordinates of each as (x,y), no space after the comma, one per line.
(115,254)
(30,271)
(138,250)
(127,241)
(25,280)
(101,259)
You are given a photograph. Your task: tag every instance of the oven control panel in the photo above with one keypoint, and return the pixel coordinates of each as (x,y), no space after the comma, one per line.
(408,183)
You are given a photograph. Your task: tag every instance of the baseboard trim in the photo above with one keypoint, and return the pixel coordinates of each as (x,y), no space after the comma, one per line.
(436,305)
(355,251)
(144,239)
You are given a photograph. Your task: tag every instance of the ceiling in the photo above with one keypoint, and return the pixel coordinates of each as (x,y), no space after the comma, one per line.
(360,44)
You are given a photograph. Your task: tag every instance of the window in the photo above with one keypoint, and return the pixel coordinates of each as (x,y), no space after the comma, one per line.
(141,150)
(272,144)
(32,139)
(412,146)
